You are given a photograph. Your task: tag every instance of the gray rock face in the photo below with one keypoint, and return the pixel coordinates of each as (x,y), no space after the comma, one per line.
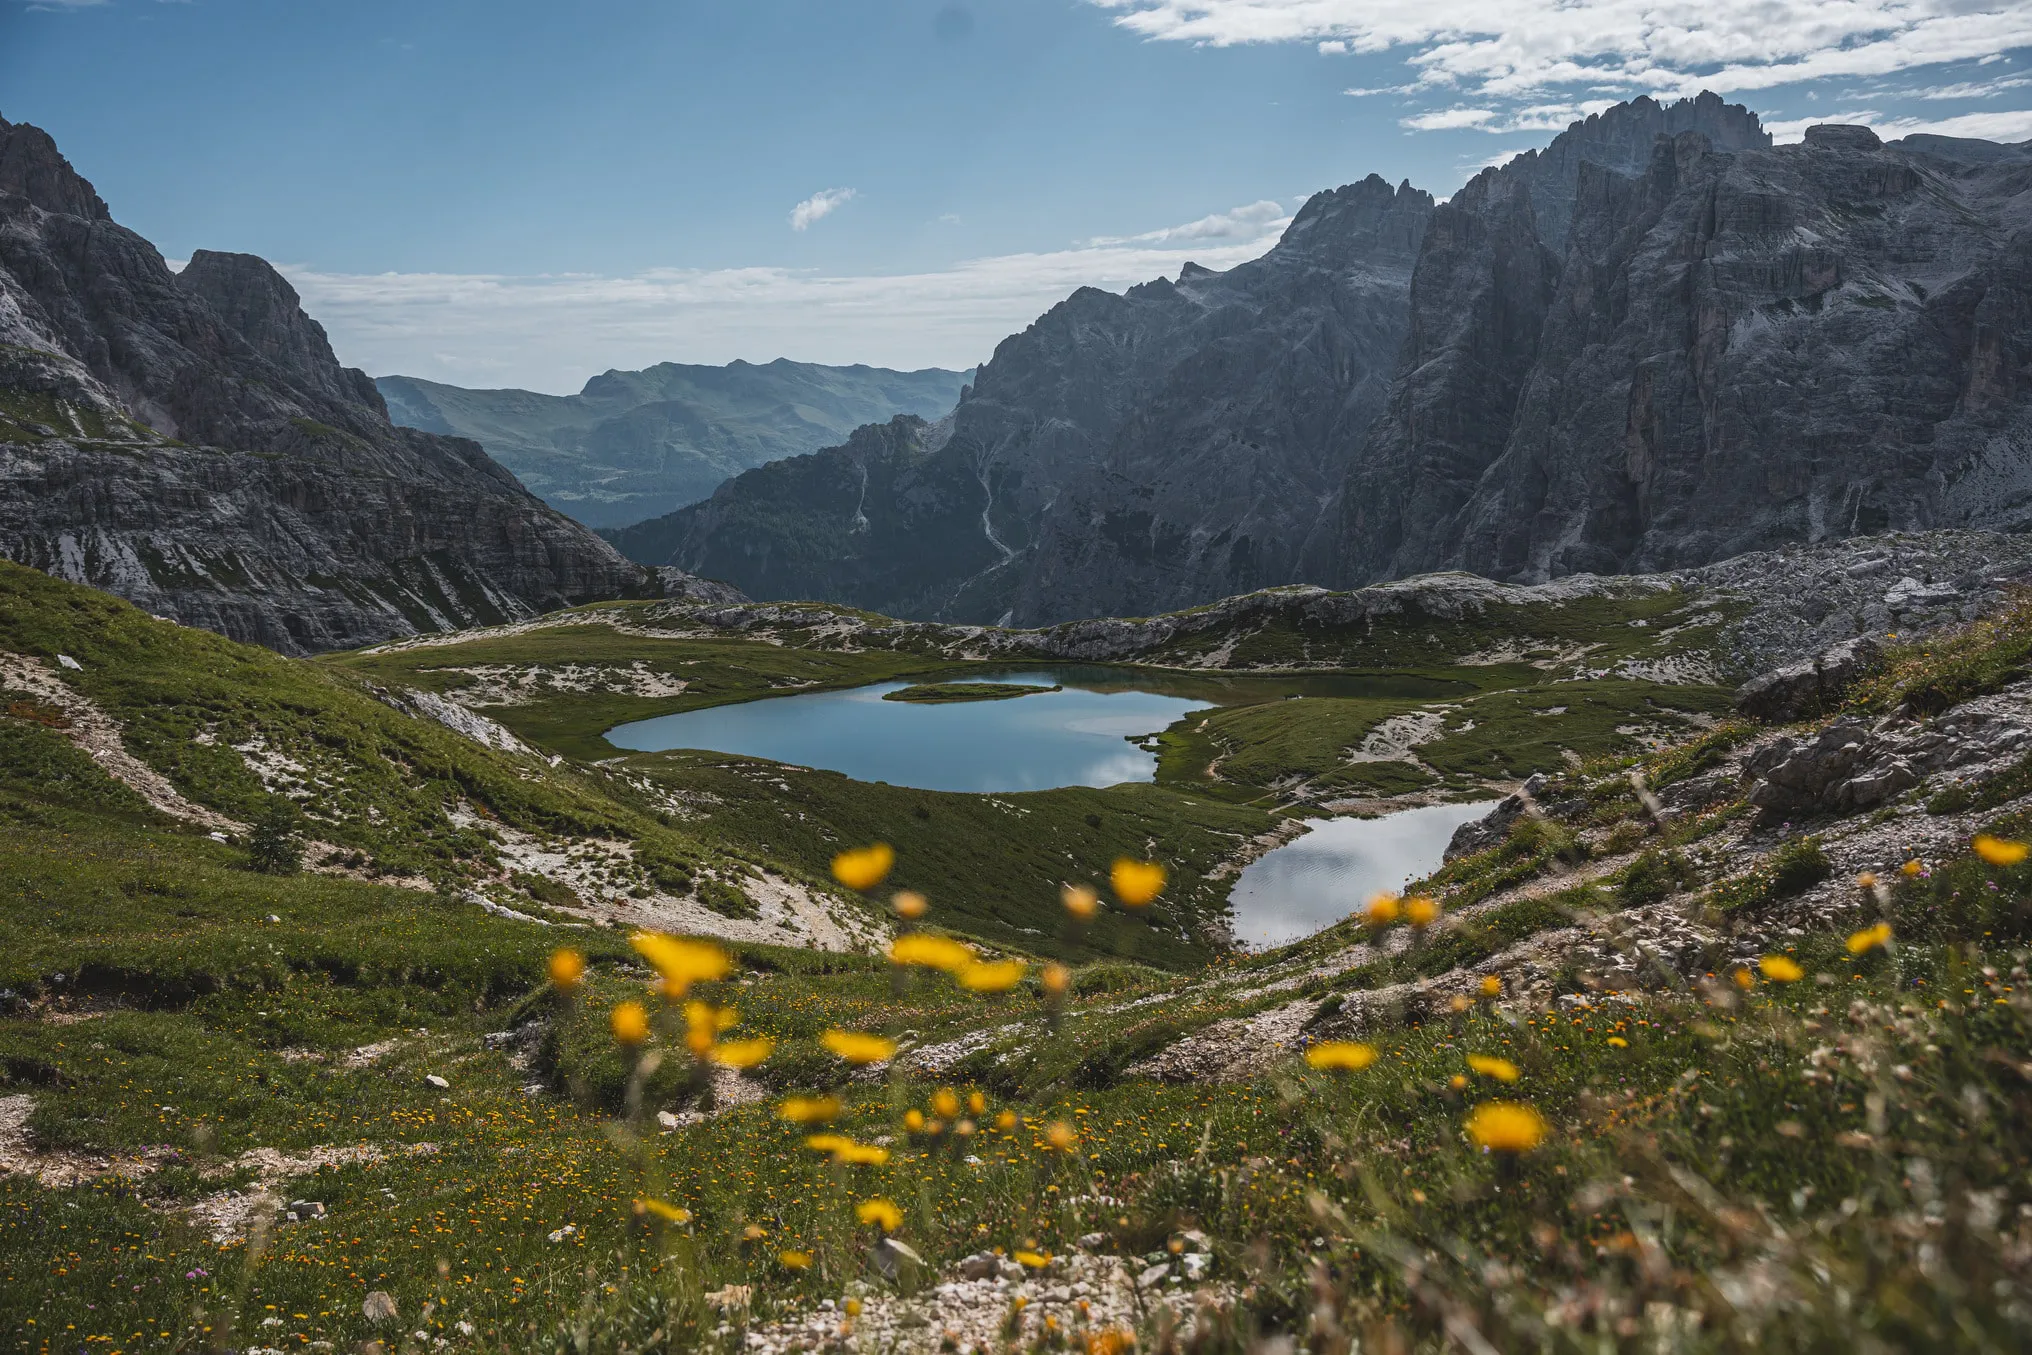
(1658,343)
(1809,686)
(191,443)
(636,445)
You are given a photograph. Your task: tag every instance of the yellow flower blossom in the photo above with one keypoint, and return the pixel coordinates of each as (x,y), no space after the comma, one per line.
(1506,1127)
(630,1022)
(826,1143)
(567,967)
(1061,1136)
(1341,1054)
(1867,880)
(1382,910)
(864,867)
(977,1103)
(1911,869)
(682,962)
(1743,978)
(1421,911)
(910,905)
(913,1120)
(669,1213)
(931,952)
(1032,1260)
(1491,986)
(1080,901)
(794,1260)
(861,1155)
(1458,1081)
(1500,1069)
(742,1053)
(1869,938)
(946,1102)
(1618,1042)
(1136,883)
(1781,969)
(809,1109)
(1006,1121)
(1056,978)
(997,976)
(1999,851)
(855,1047)
(881,1213)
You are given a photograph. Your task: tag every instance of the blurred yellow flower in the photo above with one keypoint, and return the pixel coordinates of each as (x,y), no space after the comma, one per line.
(1080,901)
(630,1022)
(864,867)
(946,1102)
(977,1103)
(855,1047)
(1506,1127)
(1781,969)
(1006,1120)
(682,962)
(1500,1069)
(1032,1260)
(1911,869)
(1341,1054)
(1457,1081)
(861,1155)
(754,1232)
(1056,978)
(567,967)
(1744,979)
(1382,910)
(741,1053)
(997,976)
(913,1120)
(1999,851)
(1869,938)
(826,1143)
(1136,883)
(1618,1042)
(853,1307)
(809,1109)
(881,1213)
(910,905)
(1061,1136)
(669,1213)
(794,1260)
(931,952)
(1867,880)
(1421,911)
(1491,986)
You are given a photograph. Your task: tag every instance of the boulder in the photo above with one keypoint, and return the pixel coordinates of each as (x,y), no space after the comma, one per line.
(1809,687)
(1478,835)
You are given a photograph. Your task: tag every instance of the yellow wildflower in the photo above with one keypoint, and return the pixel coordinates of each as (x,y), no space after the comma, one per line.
(1341,1054)
(1458,1081)
(742,1053)
(567,967)
(997,976)
(1056,978)
(913,1120)
(1911,869)
(630,1022)
(946,1102)
(1618,1042)
(1421,911)
(1500,1069)
(1061,1136)
(1867,880)
(910,905)
(809,1109)
(1033,1260)
(977,1103)
(1080,901)
(861,1154)
(855,1047)
(669,1213)
(682,962)
(931,952)
(1506,1127)
(1491,986)
(1382,910)
(864,867)
(794,1260)
(1999,851)
(1136,882)
(1006,1121)
(1781,969)
(1869,938)
(881,1213)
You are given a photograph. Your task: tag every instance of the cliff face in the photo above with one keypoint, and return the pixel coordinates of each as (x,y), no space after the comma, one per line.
(634,445)
(1658,342)
(190,442)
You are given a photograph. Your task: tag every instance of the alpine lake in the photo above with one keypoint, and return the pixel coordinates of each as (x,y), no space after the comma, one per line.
(1039,728)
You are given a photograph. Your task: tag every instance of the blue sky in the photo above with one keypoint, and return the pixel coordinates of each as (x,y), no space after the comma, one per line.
(500,192)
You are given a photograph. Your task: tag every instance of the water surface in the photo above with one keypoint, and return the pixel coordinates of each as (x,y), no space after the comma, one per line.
(1315,880)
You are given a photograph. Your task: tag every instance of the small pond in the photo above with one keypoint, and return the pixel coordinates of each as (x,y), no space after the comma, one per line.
(1316,880)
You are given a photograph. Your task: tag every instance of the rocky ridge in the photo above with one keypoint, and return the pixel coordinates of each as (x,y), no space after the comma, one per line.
(190,442)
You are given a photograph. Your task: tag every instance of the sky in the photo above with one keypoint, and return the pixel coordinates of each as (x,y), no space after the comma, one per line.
(527,193)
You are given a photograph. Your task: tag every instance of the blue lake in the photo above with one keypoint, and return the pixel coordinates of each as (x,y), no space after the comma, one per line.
(1077,736)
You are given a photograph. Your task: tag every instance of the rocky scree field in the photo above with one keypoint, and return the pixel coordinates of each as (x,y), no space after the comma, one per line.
(1747,999)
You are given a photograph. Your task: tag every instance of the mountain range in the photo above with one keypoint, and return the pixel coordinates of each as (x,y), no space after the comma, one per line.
(189,441)
(1658,342)
(635,445)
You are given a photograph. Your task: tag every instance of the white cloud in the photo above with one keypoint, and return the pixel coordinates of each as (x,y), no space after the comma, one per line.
(551,332)
(1995,125)
(1484,50)
(1258,221)
(818,206)
(1986,89)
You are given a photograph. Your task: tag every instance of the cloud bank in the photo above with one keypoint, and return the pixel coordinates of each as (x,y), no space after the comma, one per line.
(551,332)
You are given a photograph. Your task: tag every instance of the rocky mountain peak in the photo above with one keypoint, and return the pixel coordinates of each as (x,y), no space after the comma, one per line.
(257,302)
(1843,136)
(31,167)
(1367,220)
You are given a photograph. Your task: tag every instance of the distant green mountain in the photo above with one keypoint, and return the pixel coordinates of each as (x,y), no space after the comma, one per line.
(634,445)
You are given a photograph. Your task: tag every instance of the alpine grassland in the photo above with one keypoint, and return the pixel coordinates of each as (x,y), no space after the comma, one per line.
(325,1026)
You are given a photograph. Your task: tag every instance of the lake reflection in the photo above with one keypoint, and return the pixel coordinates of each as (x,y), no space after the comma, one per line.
(1316,880)
(1073,737)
